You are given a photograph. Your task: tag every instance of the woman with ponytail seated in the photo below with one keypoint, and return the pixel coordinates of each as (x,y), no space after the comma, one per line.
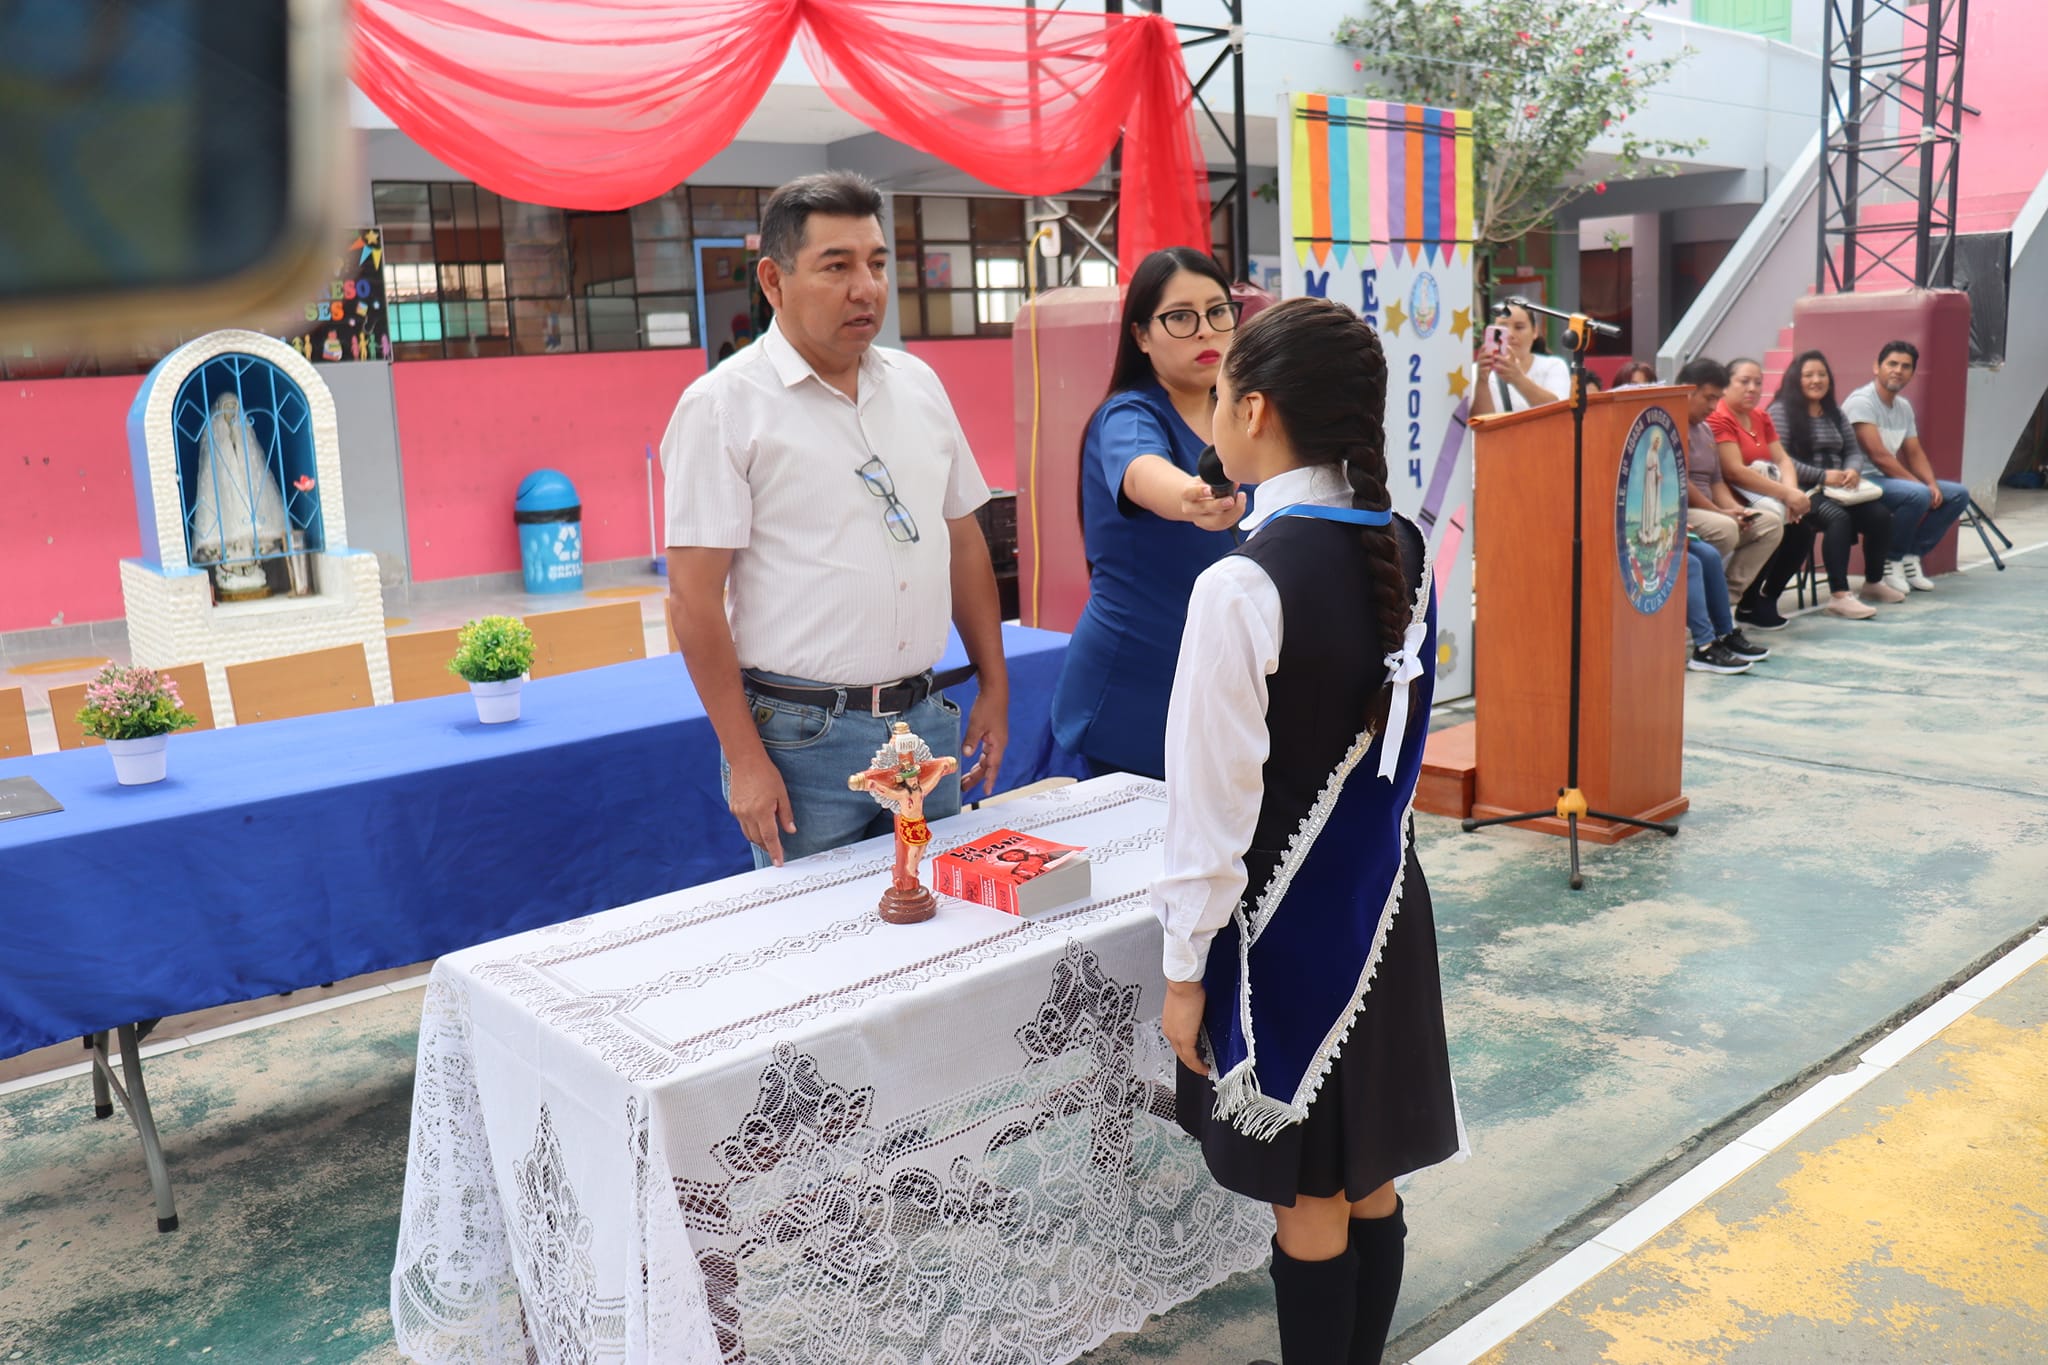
(1149,520)
(1293,743)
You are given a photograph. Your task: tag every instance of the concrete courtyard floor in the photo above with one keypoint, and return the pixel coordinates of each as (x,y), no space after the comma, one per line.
(1869,825)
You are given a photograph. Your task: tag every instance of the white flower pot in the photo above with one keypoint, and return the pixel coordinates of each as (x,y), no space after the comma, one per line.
(139,761)
(497,702)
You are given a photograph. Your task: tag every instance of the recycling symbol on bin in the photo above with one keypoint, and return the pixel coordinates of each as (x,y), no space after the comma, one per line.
(568,542)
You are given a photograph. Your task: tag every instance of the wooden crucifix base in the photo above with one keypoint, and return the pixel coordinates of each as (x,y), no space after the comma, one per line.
(908,907)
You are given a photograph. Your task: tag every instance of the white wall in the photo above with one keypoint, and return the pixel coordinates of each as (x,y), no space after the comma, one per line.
(2003,397)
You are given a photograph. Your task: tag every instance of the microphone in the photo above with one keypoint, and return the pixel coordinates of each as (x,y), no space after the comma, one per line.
(1606,329)
(1209,469)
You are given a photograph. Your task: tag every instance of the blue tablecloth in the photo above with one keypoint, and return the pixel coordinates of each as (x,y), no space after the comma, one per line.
(287,854)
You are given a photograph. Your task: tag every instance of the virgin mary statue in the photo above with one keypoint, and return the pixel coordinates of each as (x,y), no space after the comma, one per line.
(238,510)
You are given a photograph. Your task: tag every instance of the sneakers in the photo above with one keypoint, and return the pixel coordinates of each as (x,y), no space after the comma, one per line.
(1881,589)
(1762,615)
(1847,607)
(1742,647)
(1915,576)
(1715,657)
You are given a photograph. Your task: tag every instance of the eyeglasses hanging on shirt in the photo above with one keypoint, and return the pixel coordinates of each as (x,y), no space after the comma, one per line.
(1182,323)
(895,515)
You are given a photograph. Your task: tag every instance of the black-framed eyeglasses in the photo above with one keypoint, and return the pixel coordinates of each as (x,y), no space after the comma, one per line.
(895,515)
(1182,323)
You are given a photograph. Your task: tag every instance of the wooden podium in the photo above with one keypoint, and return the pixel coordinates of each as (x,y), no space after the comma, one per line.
(1632,704)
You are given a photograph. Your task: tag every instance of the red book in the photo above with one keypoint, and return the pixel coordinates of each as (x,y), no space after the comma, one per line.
(1013,872)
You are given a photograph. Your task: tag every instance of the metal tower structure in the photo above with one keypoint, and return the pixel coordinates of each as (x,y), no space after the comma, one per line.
(1237,197)
(1891,136)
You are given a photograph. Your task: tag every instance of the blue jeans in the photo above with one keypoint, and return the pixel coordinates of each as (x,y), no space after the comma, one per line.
(1706,595)
(1918,525)
(816,751)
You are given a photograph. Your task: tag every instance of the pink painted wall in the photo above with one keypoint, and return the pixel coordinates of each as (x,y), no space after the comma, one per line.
(67,500)
(976,373)
(470,430)
(2005,149)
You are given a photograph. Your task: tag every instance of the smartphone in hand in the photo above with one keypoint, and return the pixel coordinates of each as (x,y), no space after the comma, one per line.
(1496,340)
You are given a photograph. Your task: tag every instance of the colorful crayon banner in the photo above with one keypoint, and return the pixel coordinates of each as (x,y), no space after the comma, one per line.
(1376,212)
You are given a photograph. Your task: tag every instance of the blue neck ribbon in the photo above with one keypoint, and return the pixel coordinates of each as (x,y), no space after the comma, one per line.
(1356,516)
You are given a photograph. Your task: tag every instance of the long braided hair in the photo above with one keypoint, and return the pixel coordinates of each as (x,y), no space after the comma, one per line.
(1320,366)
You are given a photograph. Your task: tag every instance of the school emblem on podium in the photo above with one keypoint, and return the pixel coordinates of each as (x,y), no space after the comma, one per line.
(1649,511)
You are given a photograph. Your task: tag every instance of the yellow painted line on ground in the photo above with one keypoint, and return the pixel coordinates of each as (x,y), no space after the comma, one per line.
(1962,1214)
(621,592)
(42,666)
(394,622)
(1922,1231)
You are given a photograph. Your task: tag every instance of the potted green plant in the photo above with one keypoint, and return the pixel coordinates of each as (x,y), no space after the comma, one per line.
(134,710)
(492,656)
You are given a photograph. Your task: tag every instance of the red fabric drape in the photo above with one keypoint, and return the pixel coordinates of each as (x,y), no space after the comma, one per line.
(600,104)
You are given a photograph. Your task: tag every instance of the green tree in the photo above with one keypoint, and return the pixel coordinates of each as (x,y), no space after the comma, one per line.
(1543,79)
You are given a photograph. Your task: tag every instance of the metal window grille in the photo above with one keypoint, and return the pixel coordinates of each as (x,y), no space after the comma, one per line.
(226,454)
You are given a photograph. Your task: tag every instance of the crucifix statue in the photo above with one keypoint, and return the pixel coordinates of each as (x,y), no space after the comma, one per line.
(902,774)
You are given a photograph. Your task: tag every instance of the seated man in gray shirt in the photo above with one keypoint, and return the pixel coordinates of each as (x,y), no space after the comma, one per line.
(1922,506)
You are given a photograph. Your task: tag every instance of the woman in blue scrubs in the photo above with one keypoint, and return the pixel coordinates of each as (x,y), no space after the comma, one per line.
(1151,524)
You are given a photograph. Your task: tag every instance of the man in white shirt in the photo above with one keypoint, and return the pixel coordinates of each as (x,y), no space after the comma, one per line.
(1922,506)
(821,531)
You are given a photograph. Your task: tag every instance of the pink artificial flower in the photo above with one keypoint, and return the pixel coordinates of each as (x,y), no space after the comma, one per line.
(1578,52)
(1522,36)
(304,483)
(1631,52)
(1600,187)
(1529,111)
(1358,66)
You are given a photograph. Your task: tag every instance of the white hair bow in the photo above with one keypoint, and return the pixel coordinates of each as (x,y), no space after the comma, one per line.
(1403,669)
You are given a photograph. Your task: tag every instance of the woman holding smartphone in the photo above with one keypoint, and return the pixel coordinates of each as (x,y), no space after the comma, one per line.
(1150,522)
(1510,375)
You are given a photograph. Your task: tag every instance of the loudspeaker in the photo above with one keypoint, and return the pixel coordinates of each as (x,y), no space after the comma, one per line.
(1983,270)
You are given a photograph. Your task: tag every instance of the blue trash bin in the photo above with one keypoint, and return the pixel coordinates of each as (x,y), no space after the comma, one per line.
(550,521)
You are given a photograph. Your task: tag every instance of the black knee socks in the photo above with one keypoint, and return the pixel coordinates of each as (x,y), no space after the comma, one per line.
(1378,1247)
(1315,1302)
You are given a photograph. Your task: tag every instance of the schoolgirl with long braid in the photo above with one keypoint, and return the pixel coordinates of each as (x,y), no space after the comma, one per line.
(1299,944)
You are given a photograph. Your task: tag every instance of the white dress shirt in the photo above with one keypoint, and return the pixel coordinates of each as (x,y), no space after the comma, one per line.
(762,458)
(1216,738)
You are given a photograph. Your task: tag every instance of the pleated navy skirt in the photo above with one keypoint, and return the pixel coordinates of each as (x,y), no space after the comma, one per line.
(1385,1109)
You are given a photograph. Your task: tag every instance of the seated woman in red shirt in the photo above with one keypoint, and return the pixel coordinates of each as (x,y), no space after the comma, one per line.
(1754,463)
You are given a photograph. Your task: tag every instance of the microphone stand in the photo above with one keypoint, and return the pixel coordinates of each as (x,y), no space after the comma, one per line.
(1571,802)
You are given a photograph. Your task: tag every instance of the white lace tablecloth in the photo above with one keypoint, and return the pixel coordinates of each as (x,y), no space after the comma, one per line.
(750,1121)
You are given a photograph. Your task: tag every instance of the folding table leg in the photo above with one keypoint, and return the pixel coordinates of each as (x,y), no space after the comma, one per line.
(134,1098)
(102,1102)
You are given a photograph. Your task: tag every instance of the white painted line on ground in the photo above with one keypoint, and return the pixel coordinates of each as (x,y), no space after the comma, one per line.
(1503,1319)
(1908,1037)
(2007,969)
(1805,1108)
(155,1048)
(1679,1198)
(1494,1324)
(62,1073)
(411,983)
(2003,554)
(158,1046)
